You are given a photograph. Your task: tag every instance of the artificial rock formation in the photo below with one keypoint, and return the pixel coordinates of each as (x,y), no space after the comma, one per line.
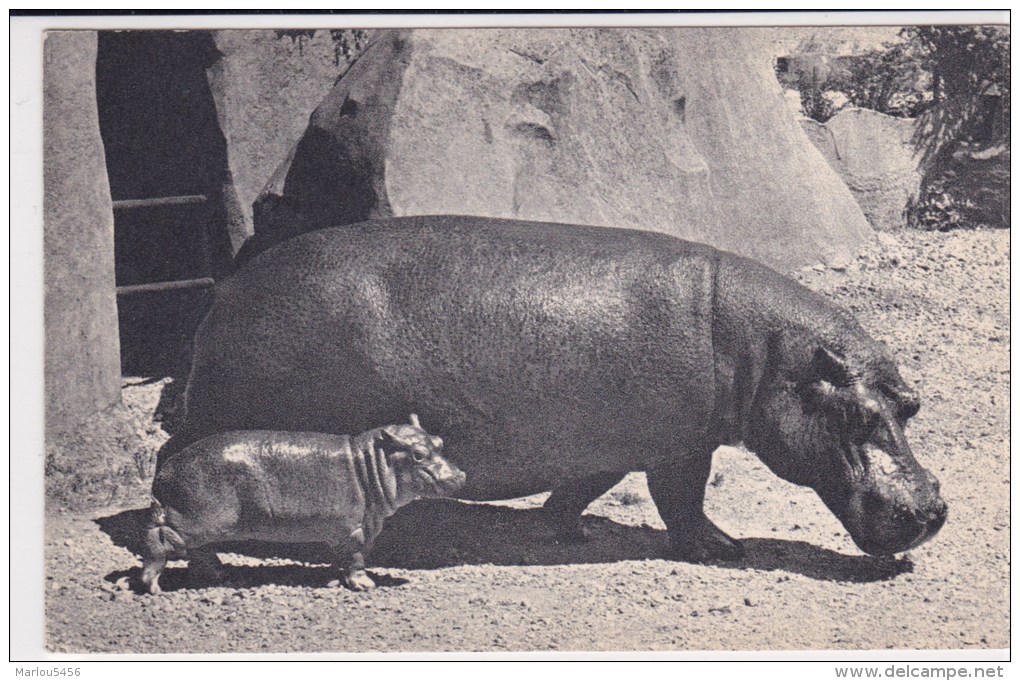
(82,370)
(874,155)
(683,131)
(266,84)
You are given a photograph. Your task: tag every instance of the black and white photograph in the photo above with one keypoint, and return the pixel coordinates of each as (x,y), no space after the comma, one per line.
(565,335)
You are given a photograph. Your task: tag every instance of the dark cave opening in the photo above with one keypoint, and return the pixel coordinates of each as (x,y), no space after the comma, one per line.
(162,139)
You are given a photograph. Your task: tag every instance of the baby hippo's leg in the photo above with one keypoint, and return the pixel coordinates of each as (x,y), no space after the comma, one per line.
(157,550)
(351,557)
(204,567)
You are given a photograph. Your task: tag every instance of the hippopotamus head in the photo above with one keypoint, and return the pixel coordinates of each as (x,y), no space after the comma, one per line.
(416,459)
(833,419)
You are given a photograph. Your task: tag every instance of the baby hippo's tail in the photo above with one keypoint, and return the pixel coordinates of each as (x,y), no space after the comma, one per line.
(161,534)
(161,542)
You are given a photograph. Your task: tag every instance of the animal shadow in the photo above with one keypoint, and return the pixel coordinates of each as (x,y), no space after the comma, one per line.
(437,533)
(127,529)
(251,576)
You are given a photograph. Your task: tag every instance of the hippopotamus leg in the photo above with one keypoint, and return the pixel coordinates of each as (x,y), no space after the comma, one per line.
(565,505)
(204,567)
(350,556)
(678,490)
(154,557)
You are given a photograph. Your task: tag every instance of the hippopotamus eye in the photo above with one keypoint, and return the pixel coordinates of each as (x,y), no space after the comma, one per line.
(419,455)
(906,401)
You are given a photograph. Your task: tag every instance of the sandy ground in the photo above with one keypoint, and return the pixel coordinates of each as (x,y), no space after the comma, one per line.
(490,577)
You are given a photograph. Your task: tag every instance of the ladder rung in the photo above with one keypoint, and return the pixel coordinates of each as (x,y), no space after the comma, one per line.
(204,282)
(160,201)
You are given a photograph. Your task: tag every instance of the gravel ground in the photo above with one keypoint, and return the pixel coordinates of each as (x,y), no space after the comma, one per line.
(489,577)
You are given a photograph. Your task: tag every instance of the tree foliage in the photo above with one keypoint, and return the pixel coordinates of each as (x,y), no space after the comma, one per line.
(347,43)
(970,88)
(954,80)
(889,80)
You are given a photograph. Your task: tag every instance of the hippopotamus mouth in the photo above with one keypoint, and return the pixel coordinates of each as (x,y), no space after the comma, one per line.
(882,527)
(889,514)
(439,485)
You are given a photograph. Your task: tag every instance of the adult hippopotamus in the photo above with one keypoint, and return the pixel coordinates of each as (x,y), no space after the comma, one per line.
(561,357)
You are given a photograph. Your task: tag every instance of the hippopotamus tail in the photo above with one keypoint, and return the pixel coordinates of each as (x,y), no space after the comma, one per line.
(167,536)
(160,537)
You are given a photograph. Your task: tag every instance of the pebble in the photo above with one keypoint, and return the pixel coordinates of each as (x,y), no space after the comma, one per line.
(887,240)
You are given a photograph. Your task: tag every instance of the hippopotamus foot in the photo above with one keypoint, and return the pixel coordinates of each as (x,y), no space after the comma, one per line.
(204,568)
(358,580)
(568,528)
(351,557)
(703,542)
(565,505)
(678,490)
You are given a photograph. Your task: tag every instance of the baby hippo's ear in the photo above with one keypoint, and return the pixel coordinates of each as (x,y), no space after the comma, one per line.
(408,437)
(393,437)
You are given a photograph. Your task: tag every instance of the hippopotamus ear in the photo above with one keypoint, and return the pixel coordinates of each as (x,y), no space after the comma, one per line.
(392,437)
(829,366)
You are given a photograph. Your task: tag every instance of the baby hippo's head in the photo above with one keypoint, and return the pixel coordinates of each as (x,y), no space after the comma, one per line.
(416,459)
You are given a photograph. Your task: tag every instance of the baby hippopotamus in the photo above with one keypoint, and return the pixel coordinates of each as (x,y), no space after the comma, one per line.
(291,488)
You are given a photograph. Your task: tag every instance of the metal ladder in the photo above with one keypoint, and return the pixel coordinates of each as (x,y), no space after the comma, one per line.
(200,282)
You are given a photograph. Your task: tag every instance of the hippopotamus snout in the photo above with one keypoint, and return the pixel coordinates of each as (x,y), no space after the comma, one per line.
(447,477)
(896,512)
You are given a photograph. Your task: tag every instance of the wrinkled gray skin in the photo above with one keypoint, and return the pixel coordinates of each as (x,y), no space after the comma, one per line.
(557,357)
(293,488)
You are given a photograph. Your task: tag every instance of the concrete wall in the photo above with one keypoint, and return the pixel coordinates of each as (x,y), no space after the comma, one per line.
(82,348)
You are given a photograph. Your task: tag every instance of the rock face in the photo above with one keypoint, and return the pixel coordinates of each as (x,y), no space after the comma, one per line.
(265,85)
(82,347)
(873,154)
(682,131)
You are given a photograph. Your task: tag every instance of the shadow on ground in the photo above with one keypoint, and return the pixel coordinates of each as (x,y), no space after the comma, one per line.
(251,576)
(434,534)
